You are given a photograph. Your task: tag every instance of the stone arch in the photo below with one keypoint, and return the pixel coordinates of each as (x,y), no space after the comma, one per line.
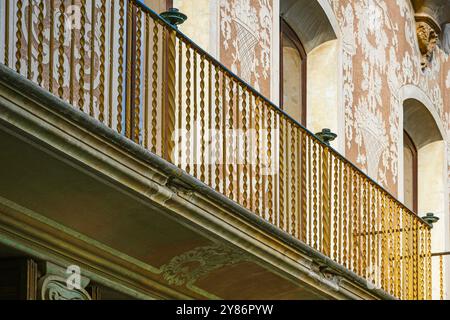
(318,29)
(419,117)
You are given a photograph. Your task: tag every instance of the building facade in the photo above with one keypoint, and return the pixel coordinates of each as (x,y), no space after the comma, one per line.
(159,157)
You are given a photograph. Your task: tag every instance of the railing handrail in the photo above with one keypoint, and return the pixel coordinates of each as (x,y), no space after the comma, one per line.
(437,254)
(217,63)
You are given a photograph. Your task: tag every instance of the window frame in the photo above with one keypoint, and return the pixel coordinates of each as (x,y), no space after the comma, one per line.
(409,143)
(287,31)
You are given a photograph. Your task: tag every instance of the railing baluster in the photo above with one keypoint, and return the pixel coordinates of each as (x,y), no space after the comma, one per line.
(345,214)
(137,82)
(335,208)
(231,140)
(147,57)
(202,120)
(315,197)
(19,35)
(258,162)
(270,161)
(217,127)
(303,187)
(40,57)
(180,103)
(7,23)
(112,36)
(188,108)
(441,277)
(121,60)
(281,175)
(101,105)
(293,213)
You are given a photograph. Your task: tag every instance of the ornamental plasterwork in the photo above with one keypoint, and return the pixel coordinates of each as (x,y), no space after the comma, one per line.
(381,50)
(53,287)
(190,266)
(246,37)
(93,52)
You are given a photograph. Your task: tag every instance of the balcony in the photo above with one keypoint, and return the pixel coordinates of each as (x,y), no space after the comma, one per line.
(165,97)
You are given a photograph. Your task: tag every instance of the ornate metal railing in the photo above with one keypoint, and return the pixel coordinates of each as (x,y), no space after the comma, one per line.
(441,262)
(123,64)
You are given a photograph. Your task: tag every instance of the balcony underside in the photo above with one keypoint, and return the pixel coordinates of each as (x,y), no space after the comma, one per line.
(74,192)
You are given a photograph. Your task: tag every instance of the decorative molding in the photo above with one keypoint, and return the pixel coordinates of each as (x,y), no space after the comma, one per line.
(190,266)
(428,36)
(55,288)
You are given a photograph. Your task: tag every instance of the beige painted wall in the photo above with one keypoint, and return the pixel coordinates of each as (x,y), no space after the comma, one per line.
(431,191)
(201,25)
(322,91)
(156,5)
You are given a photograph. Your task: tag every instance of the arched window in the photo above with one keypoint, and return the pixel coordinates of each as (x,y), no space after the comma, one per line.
(293,74)
(310,66)
(410,172)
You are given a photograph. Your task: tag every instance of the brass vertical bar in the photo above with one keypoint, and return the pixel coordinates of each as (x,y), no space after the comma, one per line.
(392,250)
(441,277)
(61,49)
(40,56)
(121,60)
(398,267)
(82,53)
(188,108)
(217,126)
(373,266)
(270,163)
(202,120)
(345,213)
(281,175)
(405,254)
(245,141)
(30,39)
(364,232)
(258,162)
(7,32)
(101,103)
(146,81)
(384,243)
(355,240)
(422,261)
(210,126)
(19,35)
(315,194)
(72,64)
(310,191)
(303,188)
(195,123)
(224,133)
(111,59)
(238,144)
(135,112)
(340,209)
(92,56)
(231,139)
(415,263)
(180,102)
(250,150)
(429,268)
(335,207)
(293,181)
(155,66)
(263,142)
(51,46)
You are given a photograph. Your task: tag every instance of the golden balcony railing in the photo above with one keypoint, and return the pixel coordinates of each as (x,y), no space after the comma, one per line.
(121,63)
(441,261)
